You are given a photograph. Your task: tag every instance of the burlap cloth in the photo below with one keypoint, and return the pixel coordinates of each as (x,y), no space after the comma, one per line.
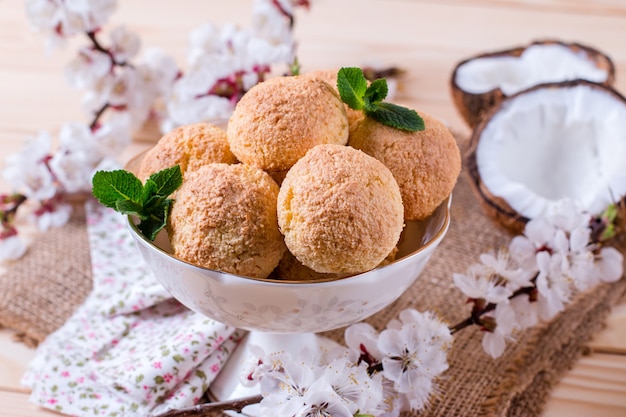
(40,292)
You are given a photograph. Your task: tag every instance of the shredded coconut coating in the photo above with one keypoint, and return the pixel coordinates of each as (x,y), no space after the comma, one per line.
(277,121)
(190,147)
(224,218)
(425,164)
(330,76)
(340,210)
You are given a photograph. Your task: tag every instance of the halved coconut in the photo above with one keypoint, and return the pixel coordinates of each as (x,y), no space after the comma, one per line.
(482,81)
(551,142)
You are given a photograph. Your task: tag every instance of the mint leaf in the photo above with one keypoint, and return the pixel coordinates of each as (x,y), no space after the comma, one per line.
(352,86)
(130,207)
(111,186)
(377,91)
(397,117)
(167,180)
(123,191)
(355,92)
(151,226)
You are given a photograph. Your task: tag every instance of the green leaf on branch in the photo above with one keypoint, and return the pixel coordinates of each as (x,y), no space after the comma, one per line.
(124,192)
(355,92)
(608,217)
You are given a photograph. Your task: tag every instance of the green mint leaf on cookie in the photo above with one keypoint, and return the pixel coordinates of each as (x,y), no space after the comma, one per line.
(352,86)
(111,186)
(124,192)
(355,92)
(377,91)
(397,117)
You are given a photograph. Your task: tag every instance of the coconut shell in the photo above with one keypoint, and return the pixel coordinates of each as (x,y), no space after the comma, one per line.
(496,207)
(474,106)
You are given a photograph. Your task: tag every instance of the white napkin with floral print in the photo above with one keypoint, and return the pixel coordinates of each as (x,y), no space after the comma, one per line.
(130,349)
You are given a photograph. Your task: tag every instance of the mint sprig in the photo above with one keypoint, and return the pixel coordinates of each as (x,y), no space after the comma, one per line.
(355,92)
(123,191)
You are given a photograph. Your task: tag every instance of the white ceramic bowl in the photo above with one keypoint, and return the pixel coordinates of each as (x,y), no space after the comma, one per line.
(279,306)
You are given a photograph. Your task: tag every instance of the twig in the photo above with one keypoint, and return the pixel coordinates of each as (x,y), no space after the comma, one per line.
(205,409)
(474,318)
(97,115)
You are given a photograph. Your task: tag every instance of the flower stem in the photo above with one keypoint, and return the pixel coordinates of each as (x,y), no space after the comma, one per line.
(207,409)
(98,47)
(474,318)
(97,115)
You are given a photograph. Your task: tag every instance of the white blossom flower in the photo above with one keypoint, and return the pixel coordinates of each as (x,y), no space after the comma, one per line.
(500,264)
(362,338)
(87,68)
(320,400)
(184,106)
(27,172)
(610,264)
(477,283)
(112,136)
(568,216)
(524,252)
(552,285)
(284,388)
(52,215)
(393,402)
(76,157)
(430,326)
(412,360)
(270,23)
(494,341)
(60,19)
(254,367)
(353,385)
(526,314)
(124,44)
(159,69)
(11,245)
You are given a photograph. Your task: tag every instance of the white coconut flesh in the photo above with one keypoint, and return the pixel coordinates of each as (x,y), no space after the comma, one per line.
(555,143)
(540,63)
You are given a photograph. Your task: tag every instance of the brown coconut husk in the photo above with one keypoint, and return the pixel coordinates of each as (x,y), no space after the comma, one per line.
(496,207)
(473,107)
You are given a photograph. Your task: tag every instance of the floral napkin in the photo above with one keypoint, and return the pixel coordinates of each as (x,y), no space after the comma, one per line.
(130,349)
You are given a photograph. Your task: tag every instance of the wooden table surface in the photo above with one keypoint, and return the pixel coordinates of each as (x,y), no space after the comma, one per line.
(424,37)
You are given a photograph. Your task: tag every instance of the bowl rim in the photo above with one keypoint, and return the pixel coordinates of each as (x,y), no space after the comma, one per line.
(441,231)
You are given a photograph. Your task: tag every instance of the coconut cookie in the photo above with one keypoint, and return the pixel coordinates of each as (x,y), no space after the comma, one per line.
(340,210)
(224,218)
(426,164)
(330,76)
(279,120)
(291,269)
(190,147)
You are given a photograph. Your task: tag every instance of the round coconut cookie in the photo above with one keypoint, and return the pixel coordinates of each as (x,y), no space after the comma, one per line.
(426,164)
(340,210)
(291,269)
(224,218)
(277,121)
(190,147)
(330,76)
